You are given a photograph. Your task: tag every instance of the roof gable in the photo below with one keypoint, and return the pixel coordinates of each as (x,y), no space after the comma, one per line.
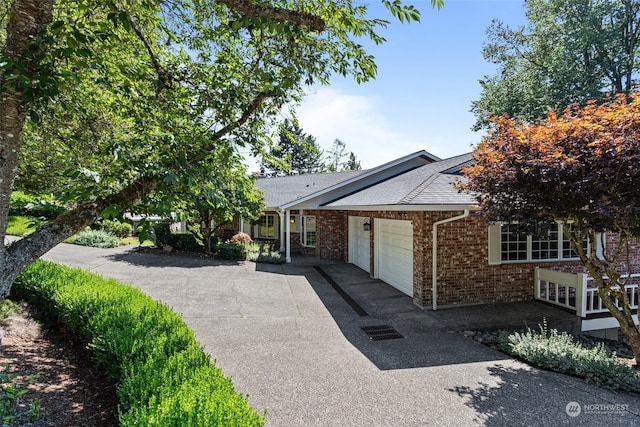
(430,184)
(309,191)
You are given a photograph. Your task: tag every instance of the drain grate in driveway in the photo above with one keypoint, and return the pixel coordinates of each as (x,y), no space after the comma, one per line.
(381,333)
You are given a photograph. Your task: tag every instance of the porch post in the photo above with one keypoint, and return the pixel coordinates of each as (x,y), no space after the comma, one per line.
(241,225)
(581,294)
(281,218)
(288,238)
(536,282)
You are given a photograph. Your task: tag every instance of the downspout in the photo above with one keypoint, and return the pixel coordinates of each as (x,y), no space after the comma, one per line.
(434,266)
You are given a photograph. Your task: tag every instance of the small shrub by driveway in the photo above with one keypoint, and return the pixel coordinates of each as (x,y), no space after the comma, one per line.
(558,352)
(94,239)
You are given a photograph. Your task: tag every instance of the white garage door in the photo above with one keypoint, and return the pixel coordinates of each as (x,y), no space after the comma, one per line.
(393,244)
(360,242)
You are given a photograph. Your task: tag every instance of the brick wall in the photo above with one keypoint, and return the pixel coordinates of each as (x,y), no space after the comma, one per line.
(332,234)
(464,273)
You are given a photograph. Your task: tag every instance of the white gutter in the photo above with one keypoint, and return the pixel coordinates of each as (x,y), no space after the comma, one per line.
(434,267)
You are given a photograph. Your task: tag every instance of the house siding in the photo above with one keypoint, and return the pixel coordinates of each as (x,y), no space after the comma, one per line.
(465,276)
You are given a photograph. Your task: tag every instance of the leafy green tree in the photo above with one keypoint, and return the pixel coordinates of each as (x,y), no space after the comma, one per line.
(352,163)
(569,52)
(338,160)
(295,153)
(141,93)
(224,197)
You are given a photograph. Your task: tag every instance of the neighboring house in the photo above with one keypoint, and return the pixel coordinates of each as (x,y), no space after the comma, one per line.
(404,223)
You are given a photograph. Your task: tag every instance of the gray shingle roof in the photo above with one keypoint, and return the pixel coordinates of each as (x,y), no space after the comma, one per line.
(285,189)
(426,185)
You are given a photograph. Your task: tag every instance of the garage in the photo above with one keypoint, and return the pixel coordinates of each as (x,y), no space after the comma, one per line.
(360,242)
(393,247)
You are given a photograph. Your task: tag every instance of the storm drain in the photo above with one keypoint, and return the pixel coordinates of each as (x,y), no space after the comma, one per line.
(381,333)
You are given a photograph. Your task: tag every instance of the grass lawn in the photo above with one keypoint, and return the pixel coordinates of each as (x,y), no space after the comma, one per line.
(20,225)
(131,240)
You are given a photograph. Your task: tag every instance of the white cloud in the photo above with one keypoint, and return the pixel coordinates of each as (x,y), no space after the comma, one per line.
(356,120)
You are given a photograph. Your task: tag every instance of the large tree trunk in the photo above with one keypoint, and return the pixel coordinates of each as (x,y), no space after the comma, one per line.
(604,270)
(612,296)
(27,18)
(23,252)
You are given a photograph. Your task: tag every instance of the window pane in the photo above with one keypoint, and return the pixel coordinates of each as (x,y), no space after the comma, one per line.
(514,243)
(546,247)
(267,226)
(309,232)
(567,251)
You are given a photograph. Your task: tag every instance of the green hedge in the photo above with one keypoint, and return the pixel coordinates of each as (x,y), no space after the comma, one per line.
(114,227)
(165,377)
(231,251)
(180,241)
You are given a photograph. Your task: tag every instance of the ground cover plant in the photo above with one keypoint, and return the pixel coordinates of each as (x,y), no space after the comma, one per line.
(18,225)
(94,239)
(165,377)
(559,352)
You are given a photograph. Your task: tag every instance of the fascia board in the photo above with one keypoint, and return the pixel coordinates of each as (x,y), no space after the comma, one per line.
(428,208)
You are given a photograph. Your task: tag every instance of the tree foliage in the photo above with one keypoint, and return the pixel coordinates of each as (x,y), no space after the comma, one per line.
(109,102)
(295,153)
(338,160)
(581,167)
(570,51)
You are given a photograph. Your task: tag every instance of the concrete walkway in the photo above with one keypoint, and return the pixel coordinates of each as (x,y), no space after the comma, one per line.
(295,345)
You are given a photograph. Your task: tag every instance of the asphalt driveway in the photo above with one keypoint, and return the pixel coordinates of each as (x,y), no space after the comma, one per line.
(296,346)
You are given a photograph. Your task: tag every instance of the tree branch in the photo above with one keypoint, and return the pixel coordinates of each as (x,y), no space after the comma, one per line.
(23,252)
(255,10)
(255,104)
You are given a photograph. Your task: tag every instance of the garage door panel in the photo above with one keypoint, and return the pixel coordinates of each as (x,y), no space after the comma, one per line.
(359,243)
(394,253)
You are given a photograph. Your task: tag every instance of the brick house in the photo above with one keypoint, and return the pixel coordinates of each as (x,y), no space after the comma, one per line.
(404,223)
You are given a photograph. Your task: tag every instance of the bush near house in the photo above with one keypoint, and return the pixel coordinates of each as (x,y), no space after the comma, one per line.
(241,238)
(558,352)
(179,241)
(94,239)
(114,227)
(231,251)
(38,206)
(165,377)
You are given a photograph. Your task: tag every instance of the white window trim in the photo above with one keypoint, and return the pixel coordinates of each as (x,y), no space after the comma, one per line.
(303,234)
(495,248)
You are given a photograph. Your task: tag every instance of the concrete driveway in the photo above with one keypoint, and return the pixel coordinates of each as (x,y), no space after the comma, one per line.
(295,345)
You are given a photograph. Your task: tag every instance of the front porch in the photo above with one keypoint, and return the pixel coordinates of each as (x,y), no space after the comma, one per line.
(578,294)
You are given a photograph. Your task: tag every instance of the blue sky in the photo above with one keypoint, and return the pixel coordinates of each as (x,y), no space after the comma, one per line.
(428,75)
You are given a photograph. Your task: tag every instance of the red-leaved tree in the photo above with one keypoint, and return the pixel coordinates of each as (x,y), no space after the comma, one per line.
(583,168)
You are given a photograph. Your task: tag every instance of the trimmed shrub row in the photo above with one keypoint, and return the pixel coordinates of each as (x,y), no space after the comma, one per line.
(231,251)
(165,377)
